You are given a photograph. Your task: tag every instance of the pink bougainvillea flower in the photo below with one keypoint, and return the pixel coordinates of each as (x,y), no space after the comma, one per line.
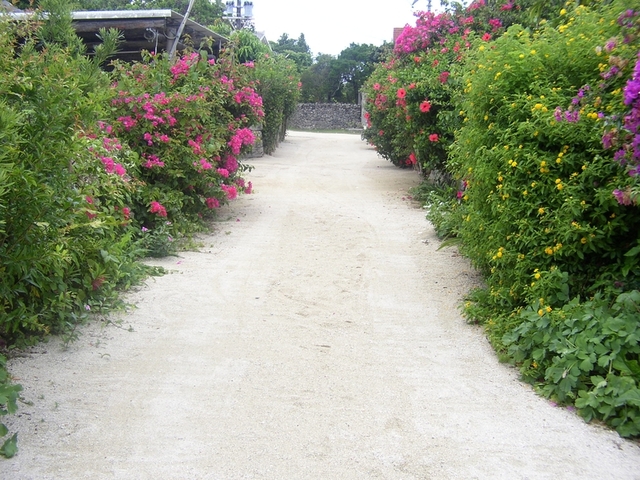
(230,164)
(425,106)
(158,208)
(119,170)
(153,161)
(401,93)
(249,188)
(376,86)
(212,202)
(412,160)
(223,172)
(230,190)
(444,76)
(486,37)
(433,137)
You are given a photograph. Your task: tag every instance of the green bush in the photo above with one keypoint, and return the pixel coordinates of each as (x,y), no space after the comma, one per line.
(537,214)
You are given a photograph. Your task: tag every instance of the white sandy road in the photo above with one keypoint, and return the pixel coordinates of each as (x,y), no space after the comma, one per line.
(315,336)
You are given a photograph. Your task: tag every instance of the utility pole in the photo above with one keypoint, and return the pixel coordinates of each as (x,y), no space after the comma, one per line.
(239,13)
(174,46)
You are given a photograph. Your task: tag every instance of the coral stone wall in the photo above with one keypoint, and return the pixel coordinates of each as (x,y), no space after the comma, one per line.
(326,116)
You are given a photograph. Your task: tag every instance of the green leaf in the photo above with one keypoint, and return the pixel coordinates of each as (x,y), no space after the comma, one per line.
(10,446)
(586,365)
(3,430)
(633,252)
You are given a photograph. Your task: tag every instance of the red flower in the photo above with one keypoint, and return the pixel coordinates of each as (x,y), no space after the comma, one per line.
(444,76)
(425,106)
(156,207)
(402,93)
(486,37)
(433,137)
(412,160)
(416,59)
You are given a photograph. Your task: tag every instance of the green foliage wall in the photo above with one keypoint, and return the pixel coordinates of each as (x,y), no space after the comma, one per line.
(537,126)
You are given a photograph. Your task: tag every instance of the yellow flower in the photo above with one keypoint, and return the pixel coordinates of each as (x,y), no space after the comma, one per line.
(583,240)
(548,309)
(525,193)
(537,276)
(533,52)
(541,312)
(559,186)
(540,211)
(548,251)
(521,55)
(499,254)
(563,12)
(558,180)
(543,163)
(481,48)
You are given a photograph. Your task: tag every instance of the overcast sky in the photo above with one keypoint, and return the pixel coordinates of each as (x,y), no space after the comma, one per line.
(330,26)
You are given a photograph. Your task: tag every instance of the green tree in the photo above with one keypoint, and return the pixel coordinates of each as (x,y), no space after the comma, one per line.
(296,50)
(321,81)
(354,65)
(246,47)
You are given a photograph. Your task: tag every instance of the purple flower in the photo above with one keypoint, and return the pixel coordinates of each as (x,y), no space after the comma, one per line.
(558,114)
(631,91)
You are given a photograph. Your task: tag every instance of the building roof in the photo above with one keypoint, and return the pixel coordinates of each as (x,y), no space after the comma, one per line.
(152,30)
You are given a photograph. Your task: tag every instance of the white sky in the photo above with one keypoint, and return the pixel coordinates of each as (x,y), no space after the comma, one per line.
(330,26)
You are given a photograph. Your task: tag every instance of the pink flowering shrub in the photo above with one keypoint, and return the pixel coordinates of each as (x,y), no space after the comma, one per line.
(411,97)
(188,122)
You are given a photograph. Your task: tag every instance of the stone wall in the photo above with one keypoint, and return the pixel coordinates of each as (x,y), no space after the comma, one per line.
(326,116)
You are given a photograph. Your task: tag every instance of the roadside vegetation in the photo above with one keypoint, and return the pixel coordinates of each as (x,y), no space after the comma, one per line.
(99,170)
(525,119)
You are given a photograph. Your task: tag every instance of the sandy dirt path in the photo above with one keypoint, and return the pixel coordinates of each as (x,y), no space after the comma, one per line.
(314,336)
